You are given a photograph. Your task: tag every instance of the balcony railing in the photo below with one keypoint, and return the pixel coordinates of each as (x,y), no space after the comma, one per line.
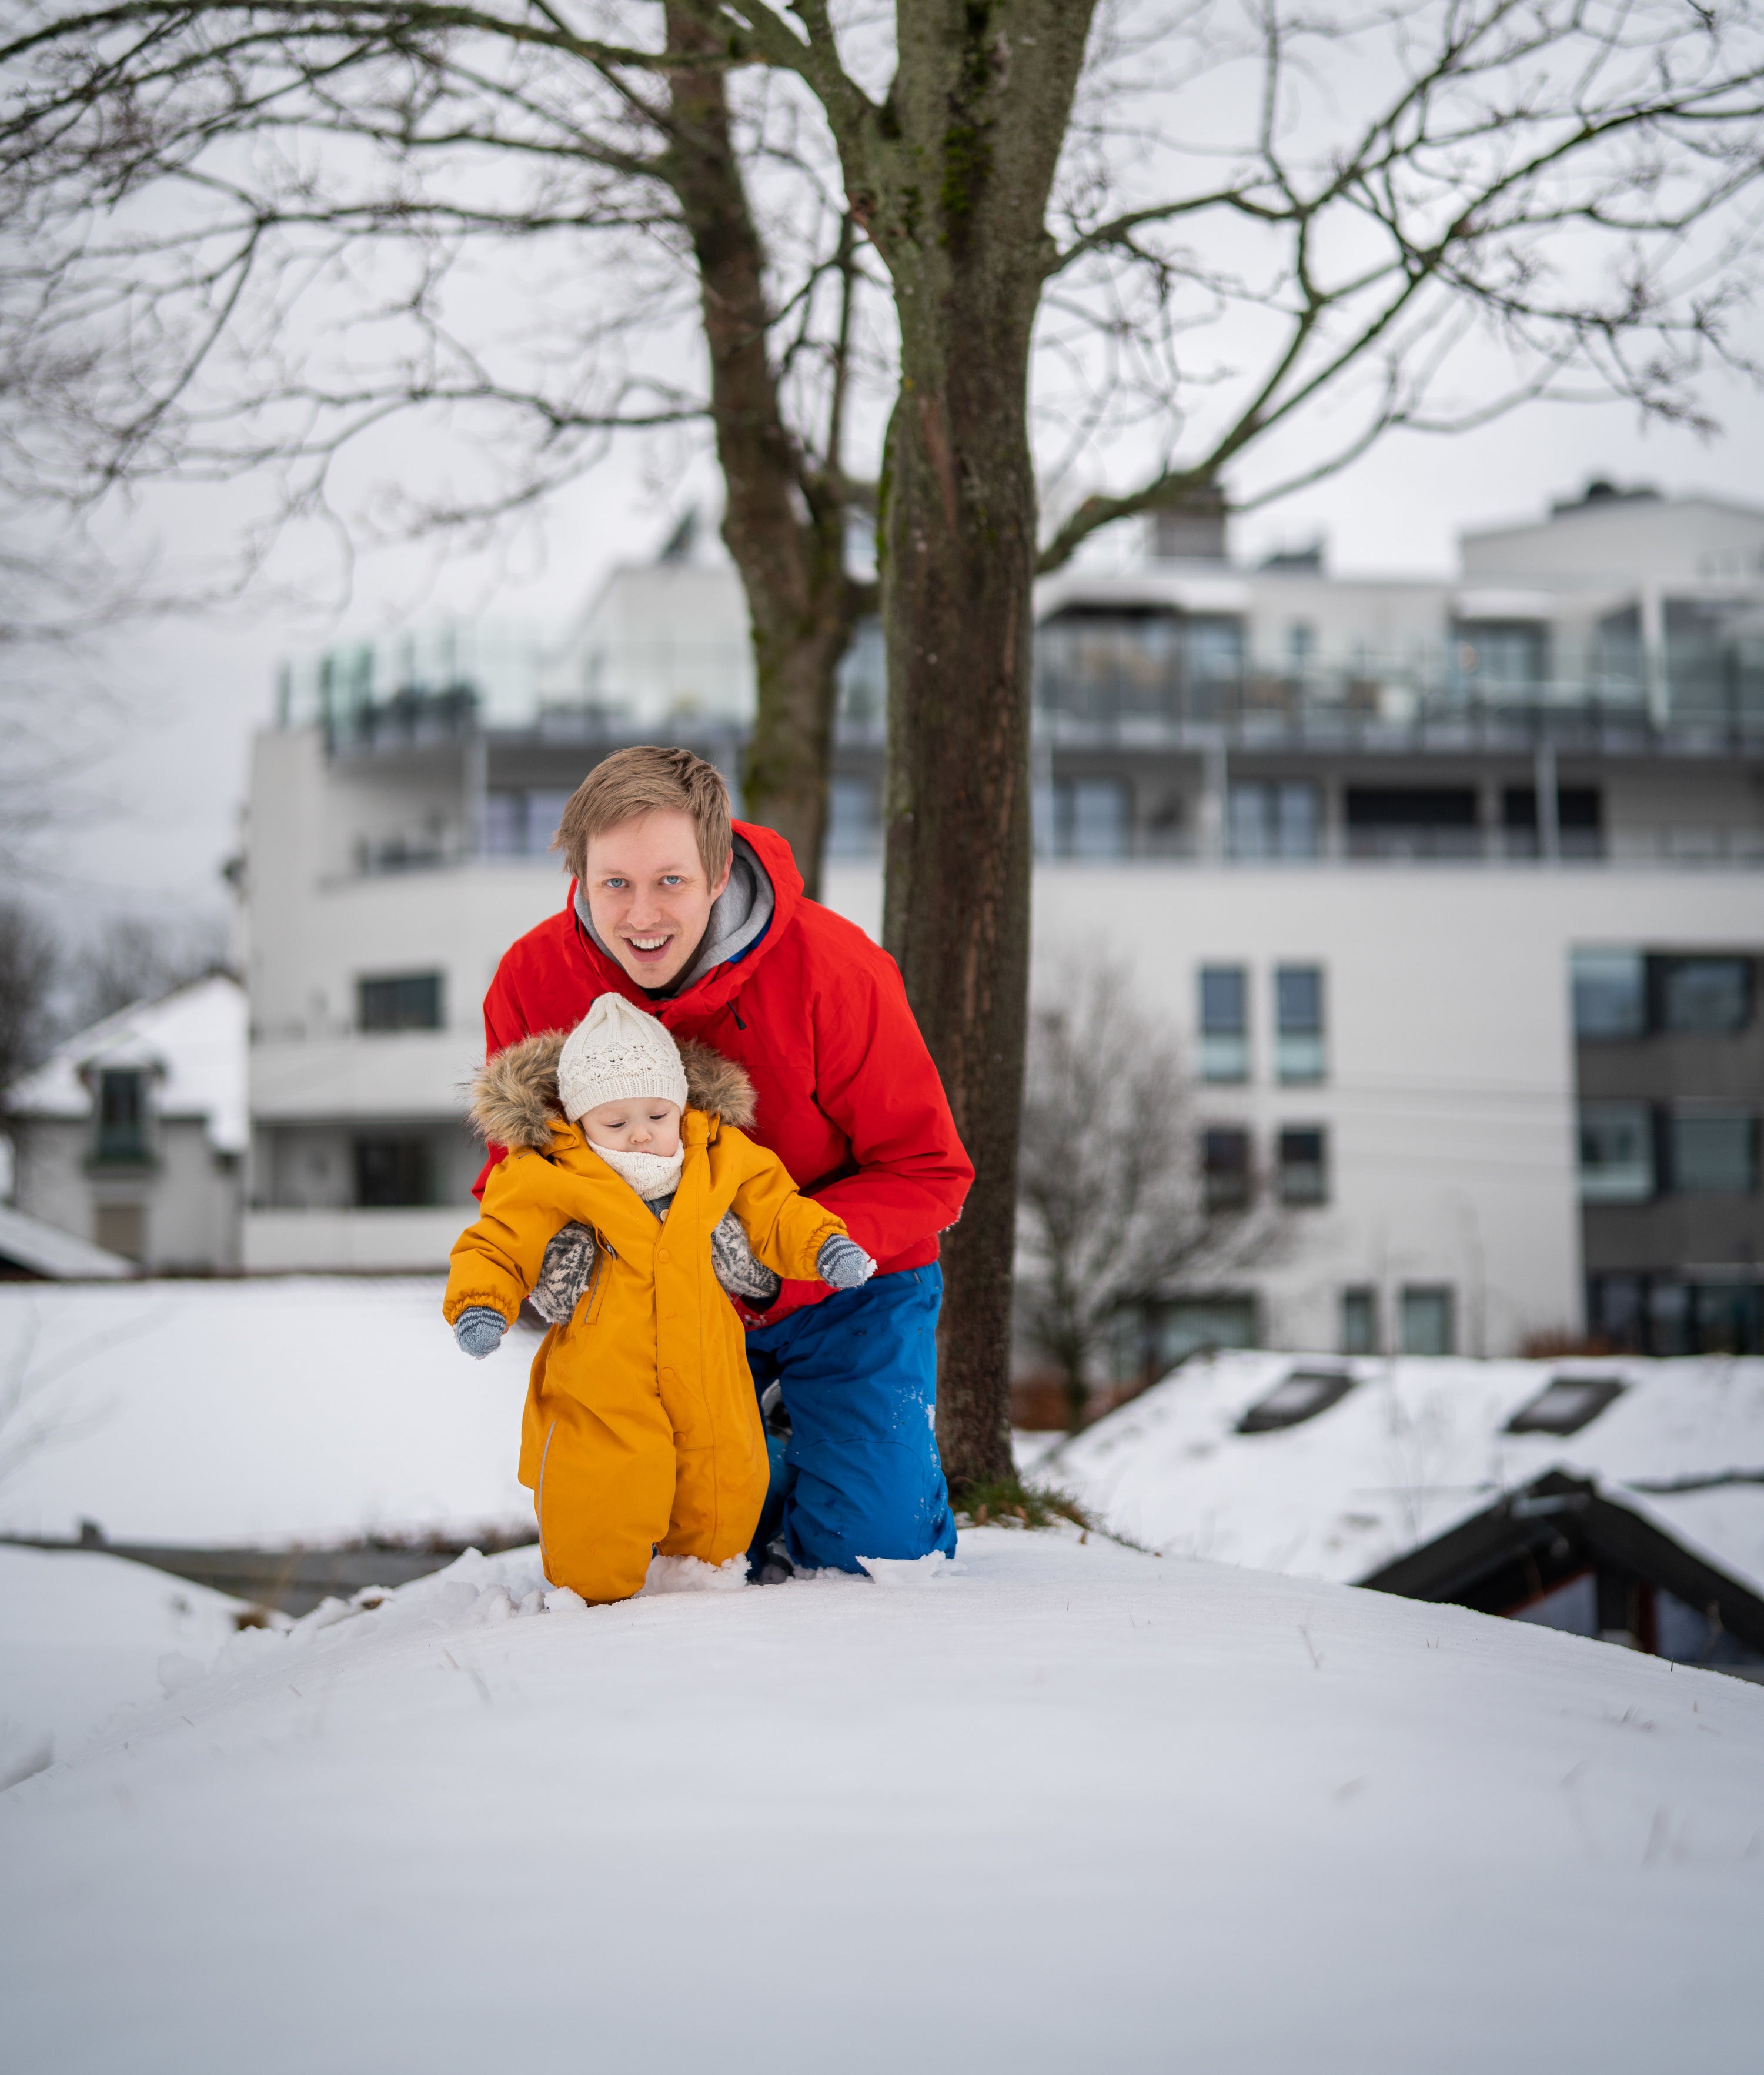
(1123,697)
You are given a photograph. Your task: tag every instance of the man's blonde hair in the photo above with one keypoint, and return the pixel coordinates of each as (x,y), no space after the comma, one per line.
(633,782)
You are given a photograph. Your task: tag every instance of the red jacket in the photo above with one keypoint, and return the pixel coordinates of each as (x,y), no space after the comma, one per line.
(848,1098)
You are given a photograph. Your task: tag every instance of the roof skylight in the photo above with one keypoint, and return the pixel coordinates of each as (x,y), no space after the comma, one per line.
(1566,1404)
(1300,1395)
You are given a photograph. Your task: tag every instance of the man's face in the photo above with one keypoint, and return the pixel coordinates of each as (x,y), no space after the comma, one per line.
(648,894)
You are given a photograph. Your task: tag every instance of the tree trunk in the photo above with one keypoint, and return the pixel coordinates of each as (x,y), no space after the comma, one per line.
(784,521)
(981,99)
(960,539)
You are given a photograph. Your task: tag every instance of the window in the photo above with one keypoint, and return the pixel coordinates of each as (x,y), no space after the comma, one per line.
(1660,1315)
(854,826)
(1298,1022)
(522,824)
(1566,1404)
(1503,656)
(1413,821)
(1215,650)
(505,824)
(1703,996)
(1610,994)
(1225,1168)
(408,1001)
(1425,1322)
(1275,820)
(1616,1153)
(544,811)
(1713,1154)
(1186,1326)
(1225,1033)
(1298,1397)
(1090,818)
(1580,821)
(1360,1321)
(392,1174)
(1304,1177)
(122,1118)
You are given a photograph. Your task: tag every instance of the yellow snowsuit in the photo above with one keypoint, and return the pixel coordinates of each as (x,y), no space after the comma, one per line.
(641,1429)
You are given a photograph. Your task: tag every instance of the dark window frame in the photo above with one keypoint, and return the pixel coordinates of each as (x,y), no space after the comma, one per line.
(1288,1166)
(1665,967)
(120,1112)
(389,1003)
(393,1170)
(1227,1183)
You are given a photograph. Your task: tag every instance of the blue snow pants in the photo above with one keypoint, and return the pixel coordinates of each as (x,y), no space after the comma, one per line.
(861,1475)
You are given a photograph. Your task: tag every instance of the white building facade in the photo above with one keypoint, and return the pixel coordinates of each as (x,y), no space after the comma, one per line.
(1353,840)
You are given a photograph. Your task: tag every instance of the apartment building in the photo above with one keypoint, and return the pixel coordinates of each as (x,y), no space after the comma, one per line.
(1367,846)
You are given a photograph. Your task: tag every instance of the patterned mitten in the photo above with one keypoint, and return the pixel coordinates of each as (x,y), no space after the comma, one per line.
(733,1263)
(844,1263)
(564,1274)
(479,1331)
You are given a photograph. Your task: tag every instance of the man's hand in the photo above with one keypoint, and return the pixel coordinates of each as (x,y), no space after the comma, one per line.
(479,1331)
(844,1263)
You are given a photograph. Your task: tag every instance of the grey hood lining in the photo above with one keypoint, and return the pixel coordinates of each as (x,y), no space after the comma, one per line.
(740,915)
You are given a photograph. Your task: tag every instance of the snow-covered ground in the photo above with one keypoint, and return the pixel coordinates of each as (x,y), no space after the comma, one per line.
(82,1634)
(310,1409)
(1072,1808)
(1414,1447)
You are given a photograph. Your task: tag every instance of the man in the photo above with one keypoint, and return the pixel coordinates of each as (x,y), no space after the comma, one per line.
(704,922)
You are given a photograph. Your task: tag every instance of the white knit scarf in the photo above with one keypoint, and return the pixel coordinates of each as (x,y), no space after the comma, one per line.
(649,1174)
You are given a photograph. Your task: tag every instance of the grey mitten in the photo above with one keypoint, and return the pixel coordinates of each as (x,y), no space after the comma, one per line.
(844,1263)
(564,1274)
(733,1263)
(479,1331)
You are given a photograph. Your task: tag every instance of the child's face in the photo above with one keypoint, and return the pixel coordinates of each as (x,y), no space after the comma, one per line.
(647,1125)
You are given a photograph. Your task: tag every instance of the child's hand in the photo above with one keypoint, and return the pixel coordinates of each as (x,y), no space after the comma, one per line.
(479,1331)
(844,1263)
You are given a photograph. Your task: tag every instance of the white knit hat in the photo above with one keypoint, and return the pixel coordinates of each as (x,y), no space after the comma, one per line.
(617,1053)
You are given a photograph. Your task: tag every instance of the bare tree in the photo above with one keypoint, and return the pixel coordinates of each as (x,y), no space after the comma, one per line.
(1215,229)
(244,242)
(130,959)
(1113,1209)
(29,964)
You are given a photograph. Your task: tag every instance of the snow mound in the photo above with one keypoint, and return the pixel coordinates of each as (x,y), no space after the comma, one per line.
(1093,1809)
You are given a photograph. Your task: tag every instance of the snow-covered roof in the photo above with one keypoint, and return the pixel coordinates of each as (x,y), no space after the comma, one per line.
(194,1041)
(46,1250)
(1414,1448)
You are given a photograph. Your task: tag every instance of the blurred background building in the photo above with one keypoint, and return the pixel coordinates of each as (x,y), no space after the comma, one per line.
(131,1136)
(1451,891)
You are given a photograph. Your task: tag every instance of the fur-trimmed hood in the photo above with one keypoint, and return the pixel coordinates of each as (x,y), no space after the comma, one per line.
(514,1096)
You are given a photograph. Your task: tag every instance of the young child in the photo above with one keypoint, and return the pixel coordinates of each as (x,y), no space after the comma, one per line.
(641,1431)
